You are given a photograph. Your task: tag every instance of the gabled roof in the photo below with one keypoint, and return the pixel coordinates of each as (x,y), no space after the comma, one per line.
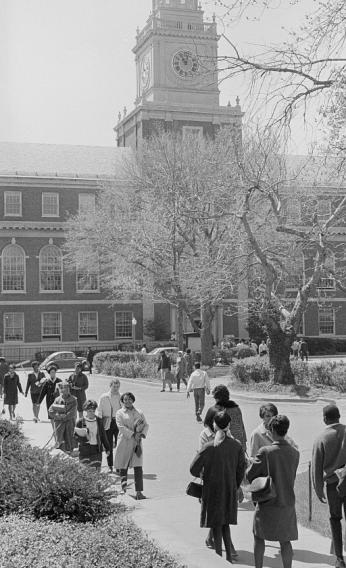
(61,160)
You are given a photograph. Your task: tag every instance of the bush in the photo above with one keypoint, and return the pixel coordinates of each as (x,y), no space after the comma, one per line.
(106,358)
(255,369)
(115,542)
(326,345)
(243,352)
(34,482)
(127,365)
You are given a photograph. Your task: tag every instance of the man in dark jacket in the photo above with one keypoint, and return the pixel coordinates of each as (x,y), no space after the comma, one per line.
(328,455)
(165,367)
(3,371)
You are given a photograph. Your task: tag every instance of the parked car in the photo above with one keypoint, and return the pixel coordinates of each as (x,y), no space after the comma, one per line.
(169,351)
(63,360)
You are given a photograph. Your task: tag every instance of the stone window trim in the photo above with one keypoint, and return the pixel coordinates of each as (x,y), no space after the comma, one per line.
(89,333)
(51,274)
(50,204)
(51,326)
(123,328)
(13,204)
(13,330)
(13,268)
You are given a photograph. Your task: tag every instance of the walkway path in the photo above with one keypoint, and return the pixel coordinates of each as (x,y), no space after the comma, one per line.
(171,517)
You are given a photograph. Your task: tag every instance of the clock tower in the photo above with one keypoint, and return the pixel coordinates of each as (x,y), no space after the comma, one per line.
(177,77)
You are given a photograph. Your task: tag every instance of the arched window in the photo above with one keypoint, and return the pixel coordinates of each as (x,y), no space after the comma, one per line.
(13,269)
(50,269)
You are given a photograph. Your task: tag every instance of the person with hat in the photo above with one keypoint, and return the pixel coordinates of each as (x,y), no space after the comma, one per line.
(328,455)
(35,383)
(222,463)
(3,371)
(91,436)
(79,384)
(11,387)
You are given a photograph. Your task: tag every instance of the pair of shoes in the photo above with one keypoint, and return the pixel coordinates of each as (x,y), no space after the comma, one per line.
(209,543)
(140,496)
(340,563)
(198,418)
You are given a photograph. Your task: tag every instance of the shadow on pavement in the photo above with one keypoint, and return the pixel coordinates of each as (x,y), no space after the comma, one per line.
(145,476)
(314,558)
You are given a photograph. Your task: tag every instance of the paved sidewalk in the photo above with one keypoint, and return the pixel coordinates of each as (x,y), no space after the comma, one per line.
(174,524)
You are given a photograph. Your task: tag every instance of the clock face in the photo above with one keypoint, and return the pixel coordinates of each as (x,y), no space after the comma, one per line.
(145,71)
(185,64)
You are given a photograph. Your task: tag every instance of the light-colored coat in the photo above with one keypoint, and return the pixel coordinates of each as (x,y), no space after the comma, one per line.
(125,455)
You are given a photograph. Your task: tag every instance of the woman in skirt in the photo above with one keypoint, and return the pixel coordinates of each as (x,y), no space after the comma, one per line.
(11,387)
(91,436)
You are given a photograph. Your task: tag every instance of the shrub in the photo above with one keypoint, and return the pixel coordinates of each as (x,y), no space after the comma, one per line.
(254,369)
(33,481)
(107,544)
(243,352)
(106,358)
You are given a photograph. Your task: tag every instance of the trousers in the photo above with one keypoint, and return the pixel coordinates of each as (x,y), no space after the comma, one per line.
(336,504)
(138,471)
(199,396)
(64,434)
(165,379)
(112,436)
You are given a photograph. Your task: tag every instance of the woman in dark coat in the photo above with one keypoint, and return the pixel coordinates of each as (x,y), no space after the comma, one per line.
(221,464)
(223,402)
(91,436)
(79,383)
(11,387)
(276,519)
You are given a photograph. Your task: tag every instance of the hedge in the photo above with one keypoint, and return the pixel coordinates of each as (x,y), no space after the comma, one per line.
(114,542)
(319,374)
(34,482)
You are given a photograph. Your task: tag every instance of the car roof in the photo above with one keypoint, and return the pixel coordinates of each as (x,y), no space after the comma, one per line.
(59,353)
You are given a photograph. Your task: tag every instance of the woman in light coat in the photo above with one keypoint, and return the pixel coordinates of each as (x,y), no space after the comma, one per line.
(132,428)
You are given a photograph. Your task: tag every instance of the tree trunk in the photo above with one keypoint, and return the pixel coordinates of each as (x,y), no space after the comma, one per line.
(180,328)
(279,357)
(207,316)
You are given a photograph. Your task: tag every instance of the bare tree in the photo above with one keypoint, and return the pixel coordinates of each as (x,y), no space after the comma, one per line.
(276,240)
(162,232)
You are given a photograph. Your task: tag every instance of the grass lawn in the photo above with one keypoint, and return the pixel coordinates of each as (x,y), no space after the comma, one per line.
(320,511)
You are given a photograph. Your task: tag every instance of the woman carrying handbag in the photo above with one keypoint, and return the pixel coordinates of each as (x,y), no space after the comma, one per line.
(272,475)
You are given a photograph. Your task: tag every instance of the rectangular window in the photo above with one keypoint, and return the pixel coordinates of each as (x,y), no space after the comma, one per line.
(87,325)
(196,131)
(50,204)
(86,203)
(87,280)
(123,324)
(13,203)
(326,321)
(324,209)
(14,326)
(51,326)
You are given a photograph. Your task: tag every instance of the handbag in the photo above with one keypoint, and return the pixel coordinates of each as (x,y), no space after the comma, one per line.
(194,489)
(262,488)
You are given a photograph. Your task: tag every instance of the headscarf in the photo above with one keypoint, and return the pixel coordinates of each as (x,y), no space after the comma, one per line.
(222,421)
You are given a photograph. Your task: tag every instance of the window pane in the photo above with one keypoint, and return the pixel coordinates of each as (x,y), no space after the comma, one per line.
(13,203)
(87,281)
(51,325)
(50,269)
(88,325)
(326,321)
(327,281)
(14,326)
(123,324)
(13,269)
(86,203)
(50,204)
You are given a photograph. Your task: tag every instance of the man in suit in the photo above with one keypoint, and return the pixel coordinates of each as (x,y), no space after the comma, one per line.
(328,455)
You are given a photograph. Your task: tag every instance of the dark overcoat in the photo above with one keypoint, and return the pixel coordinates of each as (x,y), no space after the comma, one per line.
(222,468)
(276,519)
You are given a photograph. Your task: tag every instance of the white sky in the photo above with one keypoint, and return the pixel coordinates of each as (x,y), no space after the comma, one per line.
(67,67)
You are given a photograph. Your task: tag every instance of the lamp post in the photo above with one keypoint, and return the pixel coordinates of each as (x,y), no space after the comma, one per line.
(134,323)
